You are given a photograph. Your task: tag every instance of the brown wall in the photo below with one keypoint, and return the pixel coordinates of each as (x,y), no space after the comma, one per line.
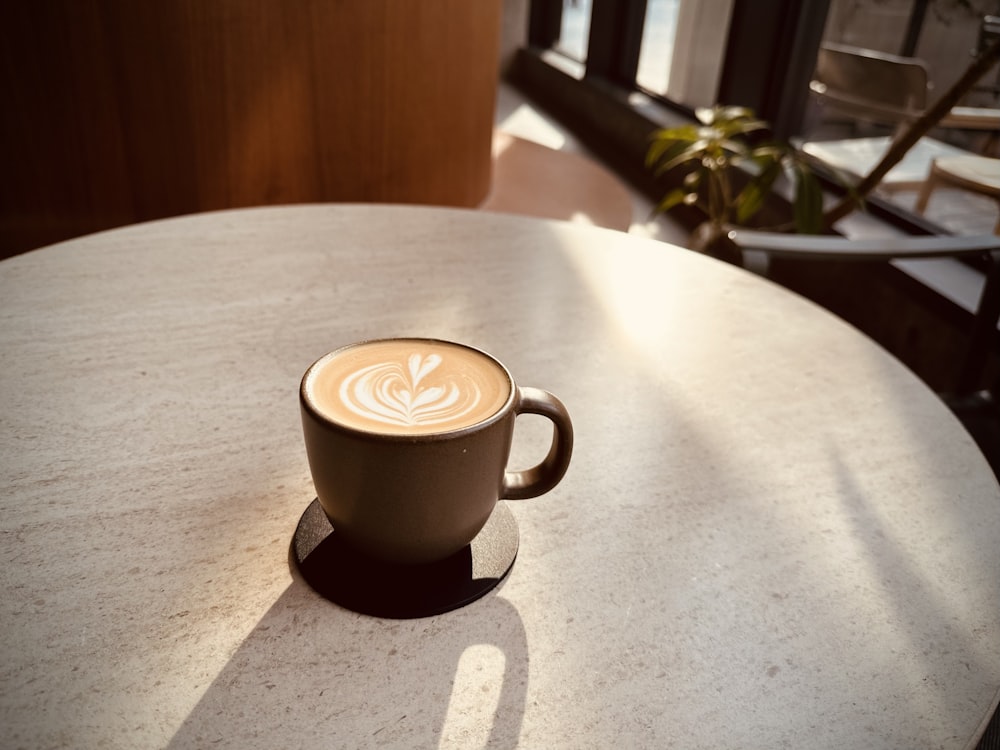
(116,111)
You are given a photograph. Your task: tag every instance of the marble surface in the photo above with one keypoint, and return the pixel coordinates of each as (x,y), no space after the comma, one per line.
(772,534)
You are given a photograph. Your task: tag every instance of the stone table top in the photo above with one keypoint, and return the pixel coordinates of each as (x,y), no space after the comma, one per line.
(772,534)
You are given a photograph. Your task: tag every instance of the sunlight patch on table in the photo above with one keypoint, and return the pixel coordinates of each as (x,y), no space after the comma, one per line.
(652,302)
(475,696)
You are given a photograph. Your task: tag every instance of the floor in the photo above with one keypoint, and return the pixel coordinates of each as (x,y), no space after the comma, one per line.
(534,180)
(516,116)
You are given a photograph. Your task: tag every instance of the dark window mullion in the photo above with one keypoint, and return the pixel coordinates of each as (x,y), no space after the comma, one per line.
(544,23)
(770,57)
(615,37)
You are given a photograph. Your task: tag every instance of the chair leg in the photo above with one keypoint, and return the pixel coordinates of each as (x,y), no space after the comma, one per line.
(925,192)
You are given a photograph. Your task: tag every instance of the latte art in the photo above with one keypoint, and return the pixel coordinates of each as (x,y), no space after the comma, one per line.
(408,395)
(407,386)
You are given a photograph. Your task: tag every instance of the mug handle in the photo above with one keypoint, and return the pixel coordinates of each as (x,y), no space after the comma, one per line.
(520,485)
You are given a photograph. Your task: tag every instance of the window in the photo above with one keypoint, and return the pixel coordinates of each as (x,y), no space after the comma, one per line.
(754,53)
(687,38)
(657,47)
(690,53)
(574,29)
(759,54)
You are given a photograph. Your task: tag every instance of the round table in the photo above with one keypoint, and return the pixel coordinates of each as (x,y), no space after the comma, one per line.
(771,535)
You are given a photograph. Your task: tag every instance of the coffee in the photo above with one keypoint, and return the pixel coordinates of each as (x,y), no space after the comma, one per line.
(408,442)
(407,386)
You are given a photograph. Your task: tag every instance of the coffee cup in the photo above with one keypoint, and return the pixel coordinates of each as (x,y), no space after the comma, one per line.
(408,441)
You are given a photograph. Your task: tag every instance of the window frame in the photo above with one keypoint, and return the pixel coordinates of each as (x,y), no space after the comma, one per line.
(768,73)
(768,60)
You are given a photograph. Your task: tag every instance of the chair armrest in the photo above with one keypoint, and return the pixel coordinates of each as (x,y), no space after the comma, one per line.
(822,247)
(971,118)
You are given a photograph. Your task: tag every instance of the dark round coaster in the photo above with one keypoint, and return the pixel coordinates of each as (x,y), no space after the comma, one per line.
(373,587)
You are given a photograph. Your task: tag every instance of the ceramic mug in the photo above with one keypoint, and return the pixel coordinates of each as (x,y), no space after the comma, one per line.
(408,441)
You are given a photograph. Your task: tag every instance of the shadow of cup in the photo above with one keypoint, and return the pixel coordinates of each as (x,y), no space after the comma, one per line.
(312,674)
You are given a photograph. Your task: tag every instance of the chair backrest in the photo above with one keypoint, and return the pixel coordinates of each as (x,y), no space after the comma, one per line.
(871,85)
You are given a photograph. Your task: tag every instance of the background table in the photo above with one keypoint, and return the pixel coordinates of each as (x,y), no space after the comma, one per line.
(771,535)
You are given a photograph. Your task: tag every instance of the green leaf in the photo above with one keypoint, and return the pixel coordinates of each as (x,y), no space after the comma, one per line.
(742,127)
(737,148)
(673,198)
(694,151)
(689,132)
(734,113)
(656,151)
(749,202)
(768,151)
(664,150)
(752,198)
(808,204)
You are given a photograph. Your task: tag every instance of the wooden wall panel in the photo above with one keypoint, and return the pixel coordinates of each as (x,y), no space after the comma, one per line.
(118,111)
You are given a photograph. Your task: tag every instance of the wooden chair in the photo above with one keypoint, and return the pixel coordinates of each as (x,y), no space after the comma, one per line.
(977,174)
(885,89)
(833,248)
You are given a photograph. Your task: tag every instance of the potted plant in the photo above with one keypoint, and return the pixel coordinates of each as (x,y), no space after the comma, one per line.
(728,176)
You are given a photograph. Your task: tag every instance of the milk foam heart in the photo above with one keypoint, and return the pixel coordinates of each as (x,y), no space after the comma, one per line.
(408,386)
